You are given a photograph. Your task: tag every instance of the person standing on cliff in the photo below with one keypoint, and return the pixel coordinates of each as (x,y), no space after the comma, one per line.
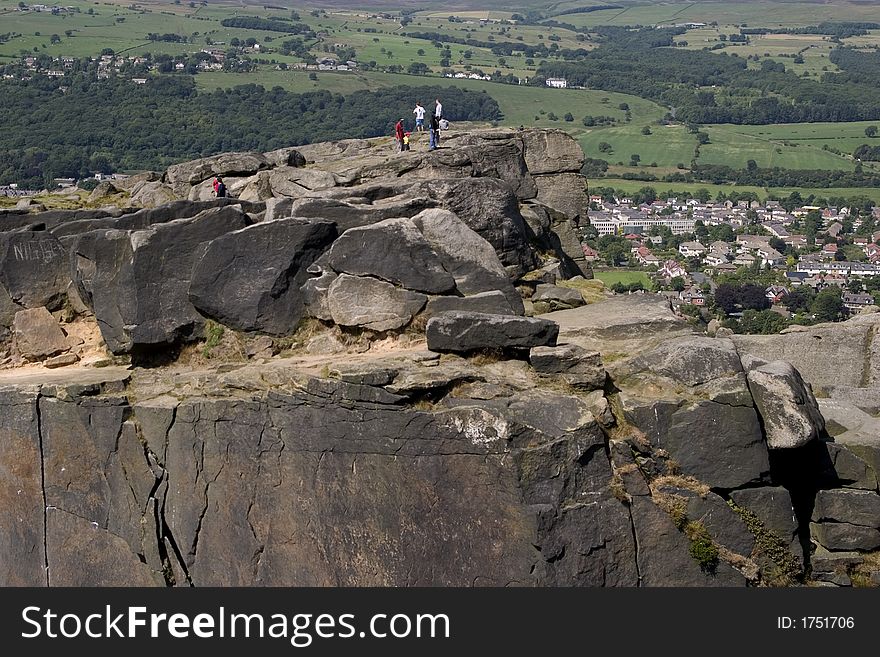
(434,139)
(398,135)
(438,109)
(420,112)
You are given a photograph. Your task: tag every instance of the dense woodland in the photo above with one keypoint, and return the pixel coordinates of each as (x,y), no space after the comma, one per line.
(167,120)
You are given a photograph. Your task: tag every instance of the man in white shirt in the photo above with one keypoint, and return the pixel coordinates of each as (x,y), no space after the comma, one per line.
(419,111)
(438,111)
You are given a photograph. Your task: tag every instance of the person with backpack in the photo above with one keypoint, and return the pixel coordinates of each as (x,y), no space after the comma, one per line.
(219,187)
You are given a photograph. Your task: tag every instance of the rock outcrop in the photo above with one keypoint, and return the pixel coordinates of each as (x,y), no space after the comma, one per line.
(369,403)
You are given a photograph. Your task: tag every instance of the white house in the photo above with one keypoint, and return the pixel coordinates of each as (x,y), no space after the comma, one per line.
(557,83)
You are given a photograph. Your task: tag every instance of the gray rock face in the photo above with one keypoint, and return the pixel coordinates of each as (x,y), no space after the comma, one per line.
(146,217)
(8,308)
(786,404)
(559,298)
(37,334)
(278,208)
(843,536)
(137,282)
(470,259)
(624,323)
(464,331)
(722,523)
(692,361)
(227,164)
(566,193)
(347,214)
(578,367)
(371,303)
(286,157)
(494,303)
(152,194)
(849,355)
(294,182)
(850,470)
(490,208)
(33,268)
(663,553)
(314,295)
(772,505)
(21,490)
(856,507)
(393,250)
(250,279)
(551,151)
(718,444)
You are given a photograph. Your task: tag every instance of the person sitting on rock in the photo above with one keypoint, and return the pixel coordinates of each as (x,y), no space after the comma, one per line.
(219,187)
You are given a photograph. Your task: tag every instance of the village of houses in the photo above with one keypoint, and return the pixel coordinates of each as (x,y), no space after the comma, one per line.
(697,263)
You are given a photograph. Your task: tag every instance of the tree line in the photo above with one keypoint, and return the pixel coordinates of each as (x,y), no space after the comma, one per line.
(167,120)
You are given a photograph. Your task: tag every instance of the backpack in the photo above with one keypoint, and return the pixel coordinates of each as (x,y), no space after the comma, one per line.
(221,190)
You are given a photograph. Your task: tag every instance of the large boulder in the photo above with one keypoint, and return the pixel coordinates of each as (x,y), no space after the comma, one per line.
(786,404)
(857,507)
(33,268)
(250,279)
(577,366)
(285,157)
(296,182)
(226,164)
(844,536)
(556,233)
(314,294)
(348,214)
(470,259)
(490,208)
(371,303)
(393,250)
(37,334)
(692,361)
(493,302)
(137,282)
(146,217)
(468,331)
(551,151)
(557,297)
(152,194)
(565,193)
(717,443)
(624,323)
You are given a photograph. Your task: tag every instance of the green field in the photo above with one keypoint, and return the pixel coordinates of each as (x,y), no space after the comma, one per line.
(845,137)
(630,186)
(625,276)
(734,147)
(792,146)
(666,145)
(752,12)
